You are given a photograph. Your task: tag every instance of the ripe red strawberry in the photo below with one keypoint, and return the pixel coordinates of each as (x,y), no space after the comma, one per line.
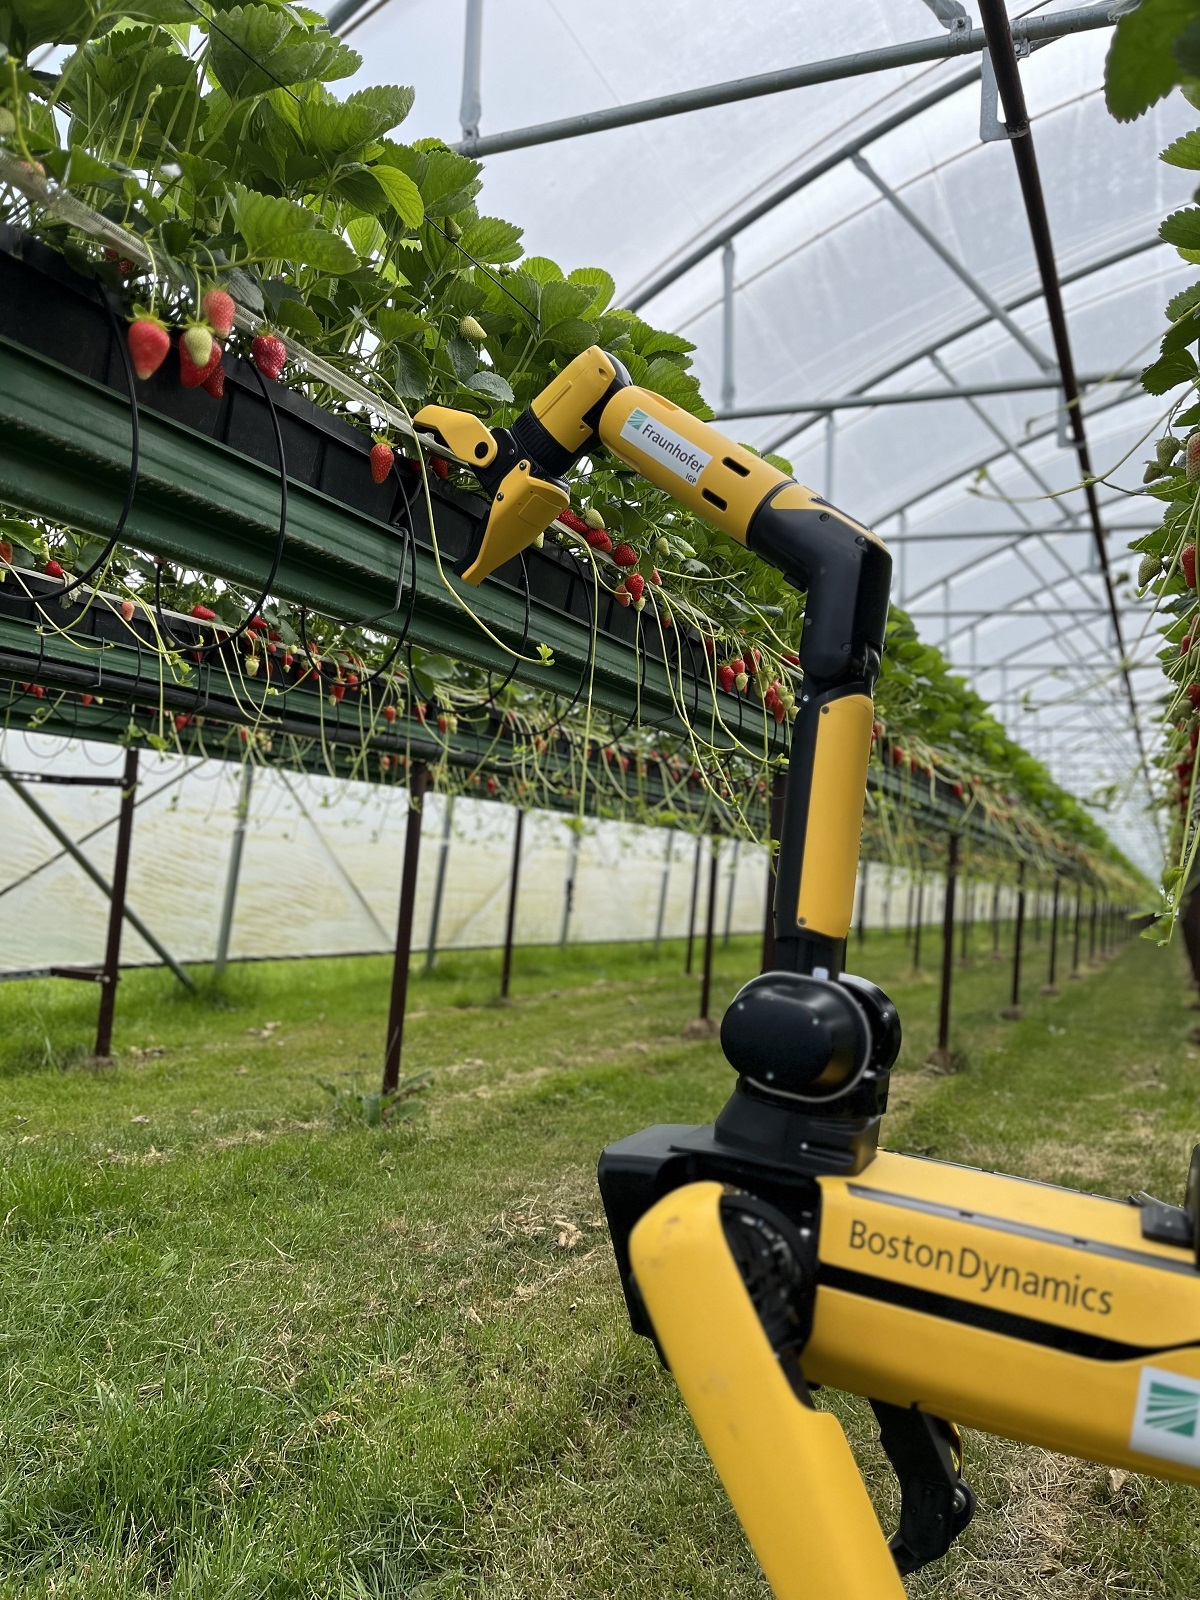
(1187,560)
(382,456)
(897,756)
(1184,647)
(1193,458)
(182,720)
(269,354)
(288,658)
(148,342)
(53,569)
(623,595)
(725,677)
(442,724)
(5,552)
(492,786)
(598,540)
(1193,694)
(710,645)
(219,310)
(389,713)
(203,614)
(958,791)
(654,577)
(779,710)
(37,691)
(752,659)
(86,699)
(190,375)
(256,624)
(634,585)
(625,556)
(127,610)
(420,711)
(572,519)
(336,692)
(792,660)
(738,665)
(215,382)
(440,467)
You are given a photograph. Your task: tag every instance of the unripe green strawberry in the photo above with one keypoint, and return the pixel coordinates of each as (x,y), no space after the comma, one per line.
(662,547)
(199,341)
(593,518)
(8,123)
(470,329)
(1148,569)
(453,229)
(1167,449)
(1193,458)
(1153,472)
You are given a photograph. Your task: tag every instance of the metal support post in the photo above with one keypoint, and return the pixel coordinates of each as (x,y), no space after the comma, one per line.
(471,109)
(1051,987)
(101,882)
(709,922)
(775,824)
(510,922)
(439,883)
(920,916)
(116,911)
(733,871)
(941,1056)
(1013,1010)
(728,260)
(1078,930)
(862,901)
(687,965)
(663,887)
(404,927)
(234,871)
(569,889)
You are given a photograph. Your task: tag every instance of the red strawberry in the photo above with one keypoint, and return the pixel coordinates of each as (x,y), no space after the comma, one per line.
(269,354)
(958,791)
(382,457)
(738,665)
(440,467)
(127,610)
(654,577)
(792,660)
(336,692)
(37,691)
(725,677)
(623,595)
(148,343)
(219,309)
(572,519)
(86,699)
(182,720)
(710,646)
(1187,561)
(5,552)
(492,786)
(753,657)
(897,756)
(1184,647)
(625,556)
(420,711)
(1193,458)
(599,540)
(256,624)
(634,584)
(1193,694)
(215,382)
(442,724)
(190,375)
(203,614)
(778,710)
(288,658)
(53,569)
(389,713)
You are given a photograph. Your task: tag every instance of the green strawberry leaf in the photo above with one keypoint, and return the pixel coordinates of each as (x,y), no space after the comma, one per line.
(401,193)
(491,240)
(295,317)
(412,376)
(1141,67)
(1182,228)
(602,286)
(1168,371)
(493,385)
(1184,151)
(278,229)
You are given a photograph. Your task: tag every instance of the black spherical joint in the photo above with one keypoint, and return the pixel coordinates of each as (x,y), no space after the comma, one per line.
(795,1035)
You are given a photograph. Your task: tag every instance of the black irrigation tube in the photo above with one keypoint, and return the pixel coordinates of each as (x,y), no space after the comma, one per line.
(1008,80)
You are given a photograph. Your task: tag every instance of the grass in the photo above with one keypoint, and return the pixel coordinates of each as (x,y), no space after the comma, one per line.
(254,1346)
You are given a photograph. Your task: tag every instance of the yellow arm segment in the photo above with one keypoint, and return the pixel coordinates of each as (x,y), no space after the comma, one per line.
(786,1467)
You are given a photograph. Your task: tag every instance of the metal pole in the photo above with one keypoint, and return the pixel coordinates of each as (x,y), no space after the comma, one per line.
(234,870)
(471,109)
(775,824)
(662,888)
(511,920)
(439,883)
(1078,930)
(967,41)
(709,920)
(404,927)
(1013,1010)
(101,882)
(917,930)
(943,1044)
(733,869)
(112,951)
(728,259)
(569,890)
(911,397)
(687,965)
(862,901)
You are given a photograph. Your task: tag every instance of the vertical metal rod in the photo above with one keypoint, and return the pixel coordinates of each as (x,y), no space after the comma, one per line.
(687,965)
(1053,971)
(569,889)
(1078,930)
(778,797)
(511,920)
(404,926)
(471,109)
(663,887)
(439,883)
(917,931)
(1092,931)
(233,872)
(116,910)
(709,922)
(943,1043)
(733,869)
(862,901)
(728,258)
(1018,937)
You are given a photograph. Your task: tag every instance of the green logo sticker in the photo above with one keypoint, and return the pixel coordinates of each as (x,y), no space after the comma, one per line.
(1166,1418)
(1174,1409)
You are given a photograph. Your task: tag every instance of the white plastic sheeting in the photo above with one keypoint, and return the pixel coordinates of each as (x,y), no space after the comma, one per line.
(834,290)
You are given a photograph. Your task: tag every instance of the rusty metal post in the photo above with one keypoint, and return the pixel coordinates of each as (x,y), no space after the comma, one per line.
(778,795)
(116,909)
(1013,1010)
(404,926)
(709,923)
(943,1043)
(511,920)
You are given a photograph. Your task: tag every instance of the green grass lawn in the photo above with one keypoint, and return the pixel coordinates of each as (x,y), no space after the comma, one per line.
(252,1347)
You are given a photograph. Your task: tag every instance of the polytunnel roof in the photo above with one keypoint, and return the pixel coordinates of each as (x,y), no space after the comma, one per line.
(841,289)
